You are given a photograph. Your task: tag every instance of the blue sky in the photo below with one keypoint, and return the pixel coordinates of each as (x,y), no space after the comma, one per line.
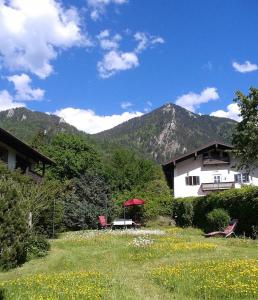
(97,63)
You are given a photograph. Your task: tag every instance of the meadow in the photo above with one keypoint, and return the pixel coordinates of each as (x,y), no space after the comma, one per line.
(171,263)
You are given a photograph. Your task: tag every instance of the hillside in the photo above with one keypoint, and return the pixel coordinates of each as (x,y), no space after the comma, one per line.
(161,134)
(168,131)
(25,124)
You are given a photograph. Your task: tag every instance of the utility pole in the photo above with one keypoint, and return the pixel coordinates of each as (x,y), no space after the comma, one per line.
(53,223)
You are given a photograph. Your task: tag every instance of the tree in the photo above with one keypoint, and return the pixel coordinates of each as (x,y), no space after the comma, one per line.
(245,137)
(13,225)
(127,170)
(88,198)
(73,156)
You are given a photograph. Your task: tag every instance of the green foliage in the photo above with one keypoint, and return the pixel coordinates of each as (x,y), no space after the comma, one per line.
(87,199)
(20,197)
(241,204)
(217,219)
(157,197)
(13,225)
(46,204)
(127,170)
(73,156)
(37,246)
(245,138)
(183,211)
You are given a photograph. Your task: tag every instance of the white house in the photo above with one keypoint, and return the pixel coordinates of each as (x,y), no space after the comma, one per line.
(206,169)
(17,154)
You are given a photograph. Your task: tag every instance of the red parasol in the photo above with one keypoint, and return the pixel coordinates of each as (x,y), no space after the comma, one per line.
(132,202)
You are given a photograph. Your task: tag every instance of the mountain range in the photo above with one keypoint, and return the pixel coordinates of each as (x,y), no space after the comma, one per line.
(161,134)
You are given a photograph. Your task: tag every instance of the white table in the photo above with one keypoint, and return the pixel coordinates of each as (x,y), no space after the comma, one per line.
(122,222)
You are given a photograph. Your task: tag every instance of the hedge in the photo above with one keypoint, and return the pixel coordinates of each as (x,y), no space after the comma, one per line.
(241,204)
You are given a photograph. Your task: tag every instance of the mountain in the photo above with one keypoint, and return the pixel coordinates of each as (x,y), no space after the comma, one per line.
(161,134)
(169,131)
(25,124)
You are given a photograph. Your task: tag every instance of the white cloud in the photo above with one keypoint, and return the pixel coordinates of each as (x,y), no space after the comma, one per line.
(191,101)
(126,104)
(115,61)
(7,101)
(23,89)
(98,7)
(232,112)
(145,40)
(245,67)
(88,121)
(32,32)
(106,42)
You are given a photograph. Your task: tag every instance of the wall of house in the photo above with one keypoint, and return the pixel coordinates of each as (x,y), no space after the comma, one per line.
(194,167)
(12,157)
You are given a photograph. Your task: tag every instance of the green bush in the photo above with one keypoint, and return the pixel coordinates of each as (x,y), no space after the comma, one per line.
(183,211)
(88,198)
(156,195)
(2,297)
(13,225)
(217,219)
(37,246)
(241,204)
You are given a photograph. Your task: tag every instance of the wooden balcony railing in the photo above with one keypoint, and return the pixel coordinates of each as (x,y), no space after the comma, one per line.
(216,160)
(216,186)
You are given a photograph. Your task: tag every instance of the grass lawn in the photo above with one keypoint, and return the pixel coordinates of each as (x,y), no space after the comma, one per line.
(162,264)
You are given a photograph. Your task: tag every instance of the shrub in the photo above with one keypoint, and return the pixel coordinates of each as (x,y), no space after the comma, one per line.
(37,246)
(183,211)
(156,195)
(88,198)
(217,219)
(241,204)
(2,297)
(13,225)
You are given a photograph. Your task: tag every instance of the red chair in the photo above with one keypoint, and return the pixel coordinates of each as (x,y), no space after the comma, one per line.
(103,223)
(228,231)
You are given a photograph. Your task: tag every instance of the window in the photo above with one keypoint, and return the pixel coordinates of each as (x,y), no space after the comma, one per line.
(217,178)
(192,180)
(242,177)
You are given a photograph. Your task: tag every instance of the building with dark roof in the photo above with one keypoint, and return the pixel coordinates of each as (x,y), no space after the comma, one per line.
(211,167)
(18,155)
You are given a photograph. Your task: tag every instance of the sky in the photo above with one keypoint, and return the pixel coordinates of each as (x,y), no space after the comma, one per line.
(98,63)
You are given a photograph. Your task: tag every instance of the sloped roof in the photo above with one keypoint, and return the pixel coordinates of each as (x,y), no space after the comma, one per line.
(202,149)
(13,142)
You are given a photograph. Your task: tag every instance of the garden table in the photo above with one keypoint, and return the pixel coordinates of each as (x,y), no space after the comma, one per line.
(122,222)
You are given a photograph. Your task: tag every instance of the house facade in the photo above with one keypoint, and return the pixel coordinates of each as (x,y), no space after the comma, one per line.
(18,155)
(206,169)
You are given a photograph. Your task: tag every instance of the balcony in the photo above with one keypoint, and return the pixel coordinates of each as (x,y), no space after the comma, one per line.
(215,160)
(217,186)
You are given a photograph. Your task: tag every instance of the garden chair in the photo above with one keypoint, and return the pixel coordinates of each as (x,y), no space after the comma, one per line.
(228,231)
(103,223)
